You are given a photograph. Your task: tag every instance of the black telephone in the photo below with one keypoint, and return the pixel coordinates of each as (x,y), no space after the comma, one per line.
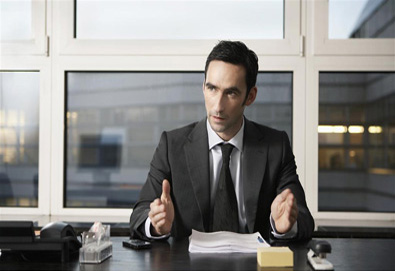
(55,237)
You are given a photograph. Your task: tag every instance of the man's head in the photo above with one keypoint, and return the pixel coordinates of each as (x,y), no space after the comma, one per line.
(237,53)
(229,87)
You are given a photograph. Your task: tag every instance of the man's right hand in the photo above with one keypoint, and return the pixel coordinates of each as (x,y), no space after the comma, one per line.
(162,212)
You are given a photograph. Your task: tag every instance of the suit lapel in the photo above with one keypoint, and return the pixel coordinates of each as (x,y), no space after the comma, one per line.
(197,156)
(254,165)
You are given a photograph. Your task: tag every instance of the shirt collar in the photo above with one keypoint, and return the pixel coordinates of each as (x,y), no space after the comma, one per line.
(214,139)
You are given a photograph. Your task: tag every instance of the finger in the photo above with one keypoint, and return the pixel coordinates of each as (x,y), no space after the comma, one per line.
(160,223)
(286,193)
(157,208)
(283,195)
(280,199)
(165,191)
(156,202)
(292,213)
(162,227)
(152,214)
(157,214)
(157,218)
(291,207)
(291,201)
(287,212)
(277,206)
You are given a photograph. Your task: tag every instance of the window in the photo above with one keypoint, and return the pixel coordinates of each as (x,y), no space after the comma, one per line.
(362,28)
(16,20)
(167,27)
(162,19)
(115,119)
(22,27)
(361,19)
(19,137)
(356,141)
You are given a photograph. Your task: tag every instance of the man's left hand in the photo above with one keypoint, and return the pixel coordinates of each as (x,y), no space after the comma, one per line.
(284,211)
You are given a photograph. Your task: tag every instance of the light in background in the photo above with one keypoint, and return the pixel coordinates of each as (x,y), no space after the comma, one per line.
(375,129)
(332,129)
(353,129)
(19,135)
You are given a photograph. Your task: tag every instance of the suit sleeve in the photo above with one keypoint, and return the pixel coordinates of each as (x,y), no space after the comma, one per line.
(289,179)
(152,189)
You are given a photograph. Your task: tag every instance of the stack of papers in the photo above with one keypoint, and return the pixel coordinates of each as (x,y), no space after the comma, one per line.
(225,242)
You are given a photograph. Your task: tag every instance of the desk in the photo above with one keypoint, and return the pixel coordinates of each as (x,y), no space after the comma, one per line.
(347,254)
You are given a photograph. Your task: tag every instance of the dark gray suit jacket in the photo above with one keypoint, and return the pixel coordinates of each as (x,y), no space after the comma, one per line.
(182,157)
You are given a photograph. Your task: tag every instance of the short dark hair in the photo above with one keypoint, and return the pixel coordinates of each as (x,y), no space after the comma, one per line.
(237,53)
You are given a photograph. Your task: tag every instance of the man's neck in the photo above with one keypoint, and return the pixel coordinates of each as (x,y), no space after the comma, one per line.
(214,138)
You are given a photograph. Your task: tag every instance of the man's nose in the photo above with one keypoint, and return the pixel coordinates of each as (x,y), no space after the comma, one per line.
(219,103)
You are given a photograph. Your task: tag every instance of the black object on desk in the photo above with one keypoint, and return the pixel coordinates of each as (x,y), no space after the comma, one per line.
(56,237)
(320,247)
(317,255)
(136,244)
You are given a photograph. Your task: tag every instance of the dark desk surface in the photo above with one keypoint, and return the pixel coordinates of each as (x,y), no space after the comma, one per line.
(347,254)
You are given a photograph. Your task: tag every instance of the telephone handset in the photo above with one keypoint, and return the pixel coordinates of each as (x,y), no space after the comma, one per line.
(60,231)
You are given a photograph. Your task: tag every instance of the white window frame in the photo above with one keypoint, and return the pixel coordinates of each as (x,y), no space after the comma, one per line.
(64,10)
(357,47)
(42,66)
(322,55)
(335,64)
(38,45)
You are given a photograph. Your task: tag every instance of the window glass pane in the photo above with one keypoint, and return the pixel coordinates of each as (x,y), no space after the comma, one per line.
(349,19)
(357,151)
(115,119)
(15,20)
(19,132)
(187,19)
(273,104)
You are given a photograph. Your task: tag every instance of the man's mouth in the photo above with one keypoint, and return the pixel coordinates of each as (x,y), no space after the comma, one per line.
(218,118)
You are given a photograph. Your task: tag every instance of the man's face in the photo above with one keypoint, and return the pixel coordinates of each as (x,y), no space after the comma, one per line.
(224,94)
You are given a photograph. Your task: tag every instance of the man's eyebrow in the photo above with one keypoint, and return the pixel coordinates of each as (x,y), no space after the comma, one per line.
(235,89)
(209,85)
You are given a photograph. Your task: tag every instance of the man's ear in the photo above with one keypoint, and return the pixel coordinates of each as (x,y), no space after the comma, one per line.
(251,96)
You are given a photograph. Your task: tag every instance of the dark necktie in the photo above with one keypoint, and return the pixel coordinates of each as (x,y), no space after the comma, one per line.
(225,214)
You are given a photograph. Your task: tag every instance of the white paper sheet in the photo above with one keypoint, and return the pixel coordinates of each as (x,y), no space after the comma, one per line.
(225,242)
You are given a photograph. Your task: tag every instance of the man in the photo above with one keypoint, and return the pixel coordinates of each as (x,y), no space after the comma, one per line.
(224,172)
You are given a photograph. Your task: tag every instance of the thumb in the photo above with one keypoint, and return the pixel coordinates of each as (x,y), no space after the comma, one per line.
(165,191)
(284,195)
